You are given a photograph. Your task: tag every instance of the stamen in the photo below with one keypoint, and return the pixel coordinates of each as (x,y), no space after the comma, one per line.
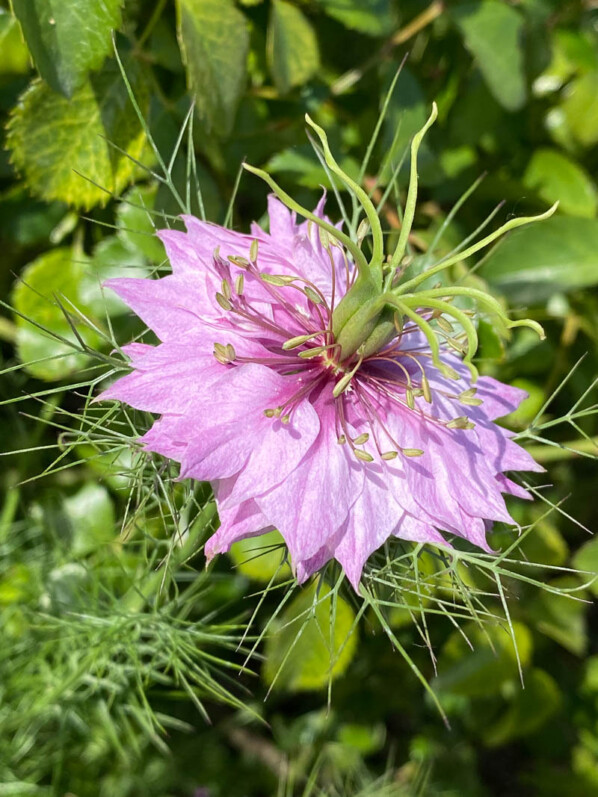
(239,285)
(388,455)
(253,250)
(292,343)
(363,455)
(362,438)
(241,262)
(226,291)
(277,279)
(223,302)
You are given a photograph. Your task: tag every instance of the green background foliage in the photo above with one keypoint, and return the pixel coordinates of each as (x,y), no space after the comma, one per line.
(117,644)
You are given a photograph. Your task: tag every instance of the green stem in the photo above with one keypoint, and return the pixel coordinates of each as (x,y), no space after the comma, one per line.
(561,451)
(510,225)
(138,595)
(351,246)
(375,263)
(411,197)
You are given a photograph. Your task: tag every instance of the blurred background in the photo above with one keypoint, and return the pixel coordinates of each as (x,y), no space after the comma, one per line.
(121,677)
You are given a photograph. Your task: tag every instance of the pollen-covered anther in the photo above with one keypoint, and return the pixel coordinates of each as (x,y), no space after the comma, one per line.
(411,452)
(342,440)
(285,418)
(410,398)
(388,455)
(462,422)
(467,398)
(312,295)
(315,352)
(427,393)
(223,302)
(280,280)
(240,262)
(363,455)
(226,289)
(292,343)
(239,285)
(361,439)
(253,250)
(445,325)
(224,354)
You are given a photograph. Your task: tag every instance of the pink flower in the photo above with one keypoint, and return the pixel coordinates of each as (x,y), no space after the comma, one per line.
(255,396)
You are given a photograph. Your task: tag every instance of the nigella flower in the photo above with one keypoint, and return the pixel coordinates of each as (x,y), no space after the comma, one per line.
(320,394)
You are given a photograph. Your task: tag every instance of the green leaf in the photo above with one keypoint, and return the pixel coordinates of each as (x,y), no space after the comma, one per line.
(90,513)
(534,262)
(374,17)
(44,126)
(111,258)
(14,55)
(136,225)
(68,38)
(562,618)
(586,558)
(492,32)
(530,709)
(320,651)
(58,273)
(292,47)
(580,109)
(214,41)
(482,671)
(554,177)
(259,558)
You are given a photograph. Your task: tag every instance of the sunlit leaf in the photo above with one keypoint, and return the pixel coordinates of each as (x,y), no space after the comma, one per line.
(532,263)
(374,17)
(45,126)
(318,650)
(492,32)
(55,274)
(292,46)
(214,42)
(68,38)
(556,177)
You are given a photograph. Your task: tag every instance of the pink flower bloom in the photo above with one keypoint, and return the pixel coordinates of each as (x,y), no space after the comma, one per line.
(253,396)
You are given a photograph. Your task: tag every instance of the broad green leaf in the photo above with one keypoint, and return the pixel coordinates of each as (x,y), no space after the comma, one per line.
(554,177)
(529,407)
(529,710)
(482,671)
(562,618)
(374,17)
(580,109)
(136,223)
(14,55)
(536,261)
(54,140)
(90,514)
(259,558)
(492,32)
(68,38)
(292,46)
(318,650)
(111,258)
(214,41)
(58,273)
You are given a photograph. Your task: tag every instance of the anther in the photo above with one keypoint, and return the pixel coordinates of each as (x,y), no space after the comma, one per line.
(292,343)
(277,279)
(224,354)
(223,302)
(312,295)
(362,438)
(342,440)
(363,455)
(269,413)
(285,419)
(315,352)
(324,238)
(390,455)
(426,389)
(362,231)
(253,250)
(241,262)
(445,325)
(409,397)
(226,291)
(411,452)
(239,285)
(462,422)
